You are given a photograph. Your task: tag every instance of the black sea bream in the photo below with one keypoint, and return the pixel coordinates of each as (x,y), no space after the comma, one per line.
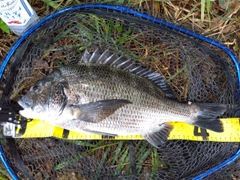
(109,95)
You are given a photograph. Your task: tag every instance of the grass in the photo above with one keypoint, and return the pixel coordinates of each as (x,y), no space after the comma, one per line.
(4,27)
(115,155)
(3,173)
(211,19)
(218,20)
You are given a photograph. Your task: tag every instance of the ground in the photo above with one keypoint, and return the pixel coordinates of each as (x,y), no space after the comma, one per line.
(219,20)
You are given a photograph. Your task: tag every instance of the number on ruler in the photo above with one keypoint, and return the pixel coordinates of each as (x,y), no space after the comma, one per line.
(203,132)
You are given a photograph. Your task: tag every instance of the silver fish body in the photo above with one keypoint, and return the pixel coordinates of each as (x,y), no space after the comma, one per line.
(109,95)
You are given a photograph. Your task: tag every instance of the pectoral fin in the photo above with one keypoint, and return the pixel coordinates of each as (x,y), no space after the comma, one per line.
(159,137)
(95,112)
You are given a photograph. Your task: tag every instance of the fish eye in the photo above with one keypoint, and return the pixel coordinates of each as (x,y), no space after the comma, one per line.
(37,88)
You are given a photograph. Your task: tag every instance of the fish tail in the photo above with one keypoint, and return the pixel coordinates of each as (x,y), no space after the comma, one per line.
(206,115)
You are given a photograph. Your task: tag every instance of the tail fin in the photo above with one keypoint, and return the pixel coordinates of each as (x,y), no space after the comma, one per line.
(206,115)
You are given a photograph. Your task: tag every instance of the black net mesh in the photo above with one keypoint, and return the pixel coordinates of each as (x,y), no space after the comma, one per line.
(196,71)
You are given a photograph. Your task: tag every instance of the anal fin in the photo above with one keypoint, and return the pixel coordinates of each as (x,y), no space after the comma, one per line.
(159,137)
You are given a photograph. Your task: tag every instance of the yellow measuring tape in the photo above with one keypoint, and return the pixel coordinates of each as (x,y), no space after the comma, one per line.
(37,128)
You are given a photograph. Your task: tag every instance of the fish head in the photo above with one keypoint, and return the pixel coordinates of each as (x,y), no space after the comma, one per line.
(46,98)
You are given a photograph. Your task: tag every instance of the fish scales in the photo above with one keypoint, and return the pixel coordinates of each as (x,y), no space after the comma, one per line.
(114,96)
(148,104)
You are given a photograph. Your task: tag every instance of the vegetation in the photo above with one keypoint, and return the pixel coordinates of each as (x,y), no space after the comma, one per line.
(218,20)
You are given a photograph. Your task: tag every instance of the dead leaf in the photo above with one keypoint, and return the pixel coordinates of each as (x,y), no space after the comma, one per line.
(40,64)
(228,29)
(234,4)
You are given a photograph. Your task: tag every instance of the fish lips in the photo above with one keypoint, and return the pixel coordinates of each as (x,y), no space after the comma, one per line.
(27,109)
(24,104)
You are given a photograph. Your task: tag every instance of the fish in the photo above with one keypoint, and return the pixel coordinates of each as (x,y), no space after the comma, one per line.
(107,94)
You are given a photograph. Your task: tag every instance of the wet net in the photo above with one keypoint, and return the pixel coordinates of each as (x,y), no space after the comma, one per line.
(197,71)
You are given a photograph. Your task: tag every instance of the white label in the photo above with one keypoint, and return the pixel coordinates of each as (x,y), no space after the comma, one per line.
(18,15)
(7,4)
(9,129)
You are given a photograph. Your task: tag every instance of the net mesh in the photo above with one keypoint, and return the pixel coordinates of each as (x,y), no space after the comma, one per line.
(195,70)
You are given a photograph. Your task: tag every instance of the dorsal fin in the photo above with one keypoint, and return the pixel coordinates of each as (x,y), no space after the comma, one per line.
(128,65)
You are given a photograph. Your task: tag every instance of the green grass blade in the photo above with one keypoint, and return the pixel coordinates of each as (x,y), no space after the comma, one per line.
(202,9)
(177,73)
(101,165)
(99,146)
(3,171)
(117,153)
(124,160)
(67,163)
(142,158)
(53,4)
(4,27)
(63,34)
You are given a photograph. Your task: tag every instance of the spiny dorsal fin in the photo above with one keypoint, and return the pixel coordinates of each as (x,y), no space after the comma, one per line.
(128,65)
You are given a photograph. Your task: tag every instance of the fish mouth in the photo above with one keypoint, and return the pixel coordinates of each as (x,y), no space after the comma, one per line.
(24,104)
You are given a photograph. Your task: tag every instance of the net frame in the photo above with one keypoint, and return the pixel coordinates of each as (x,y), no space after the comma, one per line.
(129,11)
